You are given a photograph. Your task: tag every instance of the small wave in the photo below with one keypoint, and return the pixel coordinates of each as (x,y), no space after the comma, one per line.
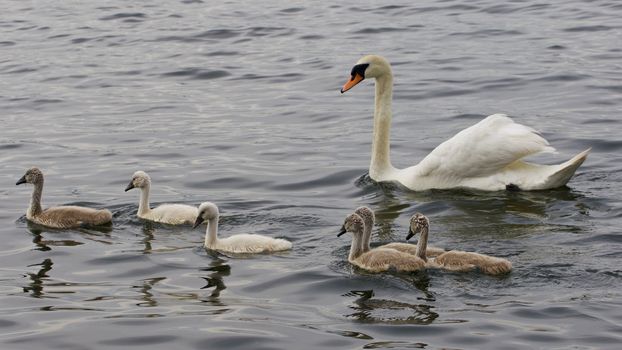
(123,16)
(380,30)
(197,73)
(597,28)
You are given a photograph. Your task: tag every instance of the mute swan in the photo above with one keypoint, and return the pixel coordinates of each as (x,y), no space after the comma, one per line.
(377,259)
(67,216)
(486,156)
(240,243)
(173,214)
(454,260)
(369,218)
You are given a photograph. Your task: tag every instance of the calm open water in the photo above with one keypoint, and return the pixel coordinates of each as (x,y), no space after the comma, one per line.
(238,102)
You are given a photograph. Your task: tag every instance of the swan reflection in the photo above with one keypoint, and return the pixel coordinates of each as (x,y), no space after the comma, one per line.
(218,269)
(372,310)
(35,287)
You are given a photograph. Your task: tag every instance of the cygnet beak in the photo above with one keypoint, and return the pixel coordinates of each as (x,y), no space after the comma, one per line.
(198,222)
(410,234)
(130,186)
(22,180)
(342,231)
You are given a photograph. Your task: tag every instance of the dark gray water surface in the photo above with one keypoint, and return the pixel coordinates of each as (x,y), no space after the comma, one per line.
(237,102)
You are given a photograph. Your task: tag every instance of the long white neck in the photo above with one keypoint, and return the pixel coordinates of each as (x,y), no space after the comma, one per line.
(355,248)
(422,244)
(143,204)
(211,233)
(380,167)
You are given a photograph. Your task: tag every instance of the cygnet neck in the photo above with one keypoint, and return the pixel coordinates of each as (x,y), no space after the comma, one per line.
(356,246)
(211,233)
(143,204)
(35,201)
(422,244)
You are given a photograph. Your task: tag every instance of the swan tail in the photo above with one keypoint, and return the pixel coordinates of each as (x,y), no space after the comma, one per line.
(282,244)
(499,267)
(563,172)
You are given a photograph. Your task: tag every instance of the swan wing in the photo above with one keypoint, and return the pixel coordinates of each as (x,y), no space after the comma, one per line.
(483,149)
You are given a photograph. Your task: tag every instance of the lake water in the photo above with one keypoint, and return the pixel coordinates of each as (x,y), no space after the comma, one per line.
(238,103)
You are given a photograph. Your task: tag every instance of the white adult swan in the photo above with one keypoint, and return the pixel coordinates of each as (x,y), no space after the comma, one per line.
(240,243)
(172,214)
(454,260)
(66,216)
(377,259)
(485,156)
(369,219)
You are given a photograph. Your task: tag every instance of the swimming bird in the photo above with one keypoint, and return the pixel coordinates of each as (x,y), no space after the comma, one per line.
(66,216)
(172,214)
(377,259)
(240,243)
(369,219)
(486,156)
(454,260)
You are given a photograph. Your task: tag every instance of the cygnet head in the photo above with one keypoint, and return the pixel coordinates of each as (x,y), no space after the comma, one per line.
(417,223)
(207,211)
(368,67)
(140,179)
(353,223)
(366,214)
(32,176)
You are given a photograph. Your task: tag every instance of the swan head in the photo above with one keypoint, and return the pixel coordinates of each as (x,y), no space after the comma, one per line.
(370,66)
(417,223)
(32,176)
(366,214)
(140,179)
(207,211)
(353,223)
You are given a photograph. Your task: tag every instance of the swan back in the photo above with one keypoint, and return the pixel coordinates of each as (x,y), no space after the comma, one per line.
(251,243)
(70,216)
(383,259)
(456,260)
(172,214)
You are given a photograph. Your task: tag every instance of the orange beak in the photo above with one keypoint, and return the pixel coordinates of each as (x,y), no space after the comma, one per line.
(356,78)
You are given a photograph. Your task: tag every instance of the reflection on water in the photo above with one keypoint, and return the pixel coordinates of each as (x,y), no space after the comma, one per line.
(372,310)
(218,270)
(503,214)
(145,288)
(35,287)
(148,230)
(44,244)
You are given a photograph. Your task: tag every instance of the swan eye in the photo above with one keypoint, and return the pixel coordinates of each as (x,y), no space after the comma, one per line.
(359,69)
